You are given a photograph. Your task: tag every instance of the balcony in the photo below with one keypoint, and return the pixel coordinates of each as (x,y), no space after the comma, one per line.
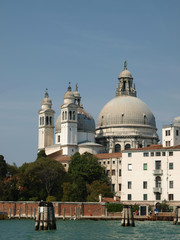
(157,190)
(158,172)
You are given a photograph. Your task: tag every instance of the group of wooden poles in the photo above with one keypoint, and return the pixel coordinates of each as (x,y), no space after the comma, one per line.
(45,218)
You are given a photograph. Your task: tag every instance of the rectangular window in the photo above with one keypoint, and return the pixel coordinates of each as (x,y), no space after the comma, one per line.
(145,166)
(152,154)
(129,167)
(129,154)
(113,187)
(170,154)
(145,197)
(167,132)
(58,138)
(119,187)
(171,184)
(158,154)
(113,172)
(177,132)
(171,165)
(163,154)
(129,197)
(157,165)
(158,196)
(145,185)
(107,172)
(171,197)
(129,185)
(146,154)
(168,143)
(113,162)
(119,172)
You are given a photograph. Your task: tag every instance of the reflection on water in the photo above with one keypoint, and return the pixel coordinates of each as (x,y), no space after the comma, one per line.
(87,229)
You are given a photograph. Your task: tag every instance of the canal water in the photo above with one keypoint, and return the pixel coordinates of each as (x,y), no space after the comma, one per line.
(89,230)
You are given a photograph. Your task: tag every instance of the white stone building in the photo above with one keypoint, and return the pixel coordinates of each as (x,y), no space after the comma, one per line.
(74,128)
(171,133)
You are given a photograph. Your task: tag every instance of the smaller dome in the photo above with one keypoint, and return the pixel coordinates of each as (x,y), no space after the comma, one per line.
(58,124)
(125,74)
(77,94)
(69,95)
(176,121)
(46,101)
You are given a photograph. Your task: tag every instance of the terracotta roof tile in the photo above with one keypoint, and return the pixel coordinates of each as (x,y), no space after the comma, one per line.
(108,155)
(154,147)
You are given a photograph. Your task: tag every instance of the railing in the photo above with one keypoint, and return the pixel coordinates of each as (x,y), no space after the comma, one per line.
(158,172)
(157,190)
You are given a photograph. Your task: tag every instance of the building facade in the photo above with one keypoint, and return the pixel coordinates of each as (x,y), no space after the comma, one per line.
(151,174)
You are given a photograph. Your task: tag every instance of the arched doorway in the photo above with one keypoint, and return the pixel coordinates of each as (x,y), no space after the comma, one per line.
(127,146)
(117,148)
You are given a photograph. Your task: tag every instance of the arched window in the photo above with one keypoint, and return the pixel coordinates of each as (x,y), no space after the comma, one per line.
(70,115)
(42,120)
(47,120)
(63,116)
(117,148)
(50,119)
(127,146)
(74,115)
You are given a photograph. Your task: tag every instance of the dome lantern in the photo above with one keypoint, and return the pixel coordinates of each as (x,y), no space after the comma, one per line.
(125,85)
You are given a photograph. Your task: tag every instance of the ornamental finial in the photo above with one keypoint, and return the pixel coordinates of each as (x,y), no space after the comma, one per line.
(46,93)
(69,88)
(125,65)
(76,87)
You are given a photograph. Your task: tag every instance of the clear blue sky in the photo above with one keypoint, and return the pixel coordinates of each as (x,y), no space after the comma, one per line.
(46,44)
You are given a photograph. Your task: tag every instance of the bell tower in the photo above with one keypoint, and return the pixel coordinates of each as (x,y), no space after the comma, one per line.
(69,123)
(46,123)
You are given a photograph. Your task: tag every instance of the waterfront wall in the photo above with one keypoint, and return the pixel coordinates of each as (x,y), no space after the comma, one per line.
(67,209)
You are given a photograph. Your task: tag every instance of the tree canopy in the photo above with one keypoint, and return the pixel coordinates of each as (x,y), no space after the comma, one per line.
(46,178)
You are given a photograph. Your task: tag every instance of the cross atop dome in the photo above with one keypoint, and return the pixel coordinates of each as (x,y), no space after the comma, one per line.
(125,65)
(46,93)
(69,87)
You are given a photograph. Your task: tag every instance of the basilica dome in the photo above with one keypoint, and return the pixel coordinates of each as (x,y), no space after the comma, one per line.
(126,110)
(126,121)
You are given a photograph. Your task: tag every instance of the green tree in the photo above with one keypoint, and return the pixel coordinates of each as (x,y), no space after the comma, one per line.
(3,167)
(97,187)
(41,178)
(86,166)
(86,179)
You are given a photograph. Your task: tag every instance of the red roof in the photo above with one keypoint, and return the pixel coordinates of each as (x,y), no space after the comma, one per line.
(154,147)
(108,155)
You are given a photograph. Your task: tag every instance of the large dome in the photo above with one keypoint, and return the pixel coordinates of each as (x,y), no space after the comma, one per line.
(125,110)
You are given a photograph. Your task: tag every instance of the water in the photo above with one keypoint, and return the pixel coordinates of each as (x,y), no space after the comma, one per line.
(88,230)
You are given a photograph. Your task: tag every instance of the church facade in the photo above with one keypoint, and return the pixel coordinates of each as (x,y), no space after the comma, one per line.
(125,122)
(125,141)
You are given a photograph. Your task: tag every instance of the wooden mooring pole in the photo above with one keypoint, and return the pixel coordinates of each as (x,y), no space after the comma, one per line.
(45,218)
(127,216)
(177,216)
